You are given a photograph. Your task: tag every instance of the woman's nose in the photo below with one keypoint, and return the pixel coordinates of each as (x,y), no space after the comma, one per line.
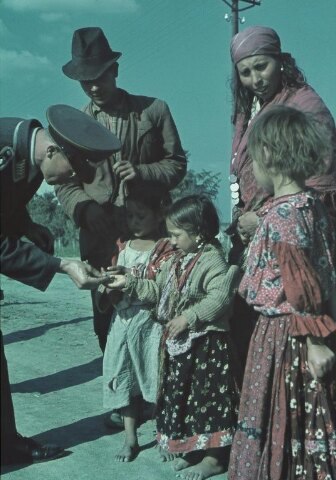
(256,79)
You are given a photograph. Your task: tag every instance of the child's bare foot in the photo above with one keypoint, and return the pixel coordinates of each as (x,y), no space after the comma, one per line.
(187,460)
(166,456)
(208,467)
(127,453)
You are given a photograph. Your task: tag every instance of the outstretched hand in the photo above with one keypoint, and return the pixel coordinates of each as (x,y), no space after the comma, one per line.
(116,282)
(82,274)
(177,326)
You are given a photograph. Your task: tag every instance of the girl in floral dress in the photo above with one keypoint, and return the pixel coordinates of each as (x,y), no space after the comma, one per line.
(286,427)
(193,293)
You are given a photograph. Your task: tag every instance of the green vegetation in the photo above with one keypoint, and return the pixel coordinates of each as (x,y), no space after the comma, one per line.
(46,210)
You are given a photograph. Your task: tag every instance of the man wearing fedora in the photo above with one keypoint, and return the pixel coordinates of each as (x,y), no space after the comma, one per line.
(151,152)
(69,148)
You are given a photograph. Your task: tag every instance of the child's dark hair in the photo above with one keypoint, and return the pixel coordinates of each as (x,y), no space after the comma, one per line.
(153,196)
(196,214)
(295,141)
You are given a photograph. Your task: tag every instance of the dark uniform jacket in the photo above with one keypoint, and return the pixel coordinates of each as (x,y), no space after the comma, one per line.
(20,260)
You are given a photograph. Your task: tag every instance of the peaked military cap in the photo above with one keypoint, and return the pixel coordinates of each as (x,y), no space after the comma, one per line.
(84,141)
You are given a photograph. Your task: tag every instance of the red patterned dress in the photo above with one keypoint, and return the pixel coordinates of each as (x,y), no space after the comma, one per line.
(287,420)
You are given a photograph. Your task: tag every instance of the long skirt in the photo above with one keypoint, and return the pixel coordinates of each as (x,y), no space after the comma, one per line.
(198,401)
(286,426)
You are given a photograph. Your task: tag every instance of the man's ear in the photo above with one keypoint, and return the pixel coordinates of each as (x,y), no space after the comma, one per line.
(51,150)
(116,69)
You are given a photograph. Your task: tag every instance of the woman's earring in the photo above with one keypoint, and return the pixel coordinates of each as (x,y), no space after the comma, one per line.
(281,68)
(199,242)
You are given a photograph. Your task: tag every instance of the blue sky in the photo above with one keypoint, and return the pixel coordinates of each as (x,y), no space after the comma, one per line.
(177,50)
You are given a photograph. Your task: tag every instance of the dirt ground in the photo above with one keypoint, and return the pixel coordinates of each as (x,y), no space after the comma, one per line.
(55,366)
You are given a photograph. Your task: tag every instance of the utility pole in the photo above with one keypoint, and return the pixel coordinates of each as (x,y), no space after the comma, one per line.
(236,9)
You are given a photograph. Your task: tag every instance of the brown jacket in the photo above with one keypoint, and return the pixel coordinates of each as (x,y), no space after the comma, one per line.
(151,142)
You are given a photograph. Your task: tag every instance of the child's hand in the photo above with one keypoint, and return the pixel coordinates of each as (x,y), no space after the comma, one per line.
(246,227)
(106,277)
(320,358)
(116,282)
(177,326)
(118,270)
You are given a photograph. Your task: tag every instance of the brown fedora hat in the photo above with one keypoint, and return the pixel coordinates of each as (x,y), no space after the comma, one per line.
(91,55)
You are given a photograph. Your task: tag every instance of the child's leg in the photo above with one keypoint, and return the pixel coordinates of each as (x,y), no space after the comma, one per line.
(212,464)
(188,459)
(166,456)
(130,448)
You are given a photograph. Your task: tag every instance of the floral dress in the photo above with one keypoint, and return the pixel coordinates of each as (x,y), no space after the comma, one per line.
(287,420)
(198,398)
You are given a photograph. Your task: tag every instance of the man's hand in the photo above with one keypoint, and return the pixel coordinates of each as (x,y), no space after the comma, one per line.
(97,220)
(177,326)
(247,225)
(41,236)
(82,274)
(320,358)
(125,170)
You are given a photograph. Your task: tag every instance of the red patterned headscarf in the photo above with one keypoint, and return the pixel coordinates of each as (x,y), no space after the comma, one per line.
(254,41)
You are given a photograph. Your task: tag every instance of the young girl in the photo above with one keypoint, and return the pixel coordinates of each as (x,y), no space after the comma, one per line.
(287,420)
(193,292)
(131,356)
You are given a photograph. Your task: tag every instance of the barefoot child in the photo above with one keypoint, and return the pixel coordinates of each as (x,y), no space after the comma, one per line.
(130,363)
(287,419)
(193,292)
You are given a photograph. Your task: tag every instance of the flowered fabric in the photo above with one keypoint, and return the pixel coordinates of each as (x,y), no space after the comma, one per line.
(287,420)
(296,223)
(197,407)
(304,99)
(176,285)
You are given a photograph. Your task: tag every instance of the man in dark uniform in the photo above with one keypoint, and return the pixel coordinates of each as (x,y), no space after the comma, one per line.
(29,153)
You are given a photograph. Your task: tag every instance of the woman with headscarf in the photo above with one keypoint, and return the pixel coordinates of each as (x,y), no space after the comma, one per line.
(265,76)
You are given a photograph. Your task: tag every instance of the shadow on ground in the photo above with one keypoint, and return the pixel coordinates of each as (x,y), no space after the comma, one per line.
(23,335)
(62,379)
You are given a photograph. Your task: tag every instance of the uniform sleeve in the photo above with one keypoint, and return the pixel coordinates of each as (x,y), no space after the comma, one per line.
(26,263)
(73,199)
(303,291)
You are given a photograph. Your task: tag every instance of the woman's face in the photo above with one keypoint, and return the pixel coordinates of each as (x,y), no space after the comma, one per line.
(261,74)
